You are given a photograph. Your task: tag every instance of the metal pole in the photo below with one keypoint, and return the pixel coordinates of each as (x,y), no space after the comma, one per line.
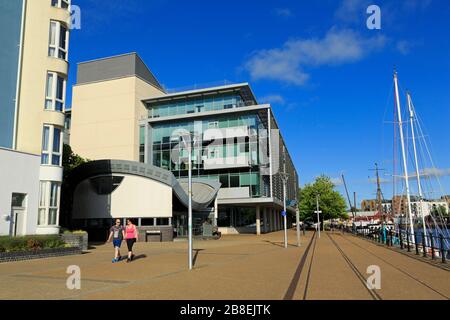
(318,218)
(285,213)
(419,186)
(190,202)
(402,140)
(297,218)
(285,177)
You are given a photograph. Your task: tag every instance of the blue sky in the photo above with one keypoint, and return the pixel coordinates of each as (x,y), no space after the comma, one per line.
(328,77)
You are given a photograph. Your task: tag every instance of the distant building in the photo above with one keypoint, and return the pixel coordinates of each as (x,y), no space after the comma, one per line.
(400,205)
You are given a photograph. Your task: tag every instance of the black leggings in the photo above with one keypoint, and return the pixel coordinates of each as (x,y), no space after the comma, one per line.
(130,243)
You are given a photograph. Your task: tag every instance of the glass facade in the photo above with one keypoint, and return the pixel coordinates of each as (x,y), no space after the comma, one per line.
(10,24)
(189,106)
(169,151)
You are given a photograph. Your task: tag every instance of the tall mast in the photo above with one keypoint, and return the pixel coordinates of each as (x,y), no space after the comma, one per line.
(416,162)
(405,166)
(379,198)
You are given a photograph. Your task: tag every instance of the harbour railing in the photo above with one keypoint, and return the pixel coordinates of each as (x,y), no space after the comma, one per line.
(434,246)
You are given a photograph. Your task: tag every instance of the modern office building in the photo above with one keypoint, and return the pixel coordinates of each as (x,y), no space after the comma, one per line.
(121,112)
(34,65)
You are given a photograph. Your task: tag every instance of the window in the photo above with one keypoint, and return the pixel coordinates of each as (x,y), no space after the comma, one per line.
(51,146)
(58,40)
(18,200)
(63,4)
(55,92)
(48,203)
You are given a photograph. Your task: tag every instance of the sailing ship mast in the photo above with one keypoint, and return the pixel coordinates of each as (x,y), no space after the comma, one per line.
(405,166)
(419,186)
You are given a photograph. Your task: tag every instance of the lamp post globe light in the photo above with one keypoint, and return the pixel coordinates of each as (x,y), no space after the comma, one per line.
(284,176)
(188,140)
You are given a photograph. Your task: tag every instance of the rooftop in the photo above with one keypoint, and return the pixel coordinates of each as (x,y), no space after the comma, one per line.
(241,88)
(115,67)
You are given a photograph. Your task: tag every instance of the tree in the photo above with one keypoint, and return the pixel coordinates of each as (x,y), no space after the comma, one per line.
(331,203)
(70,161)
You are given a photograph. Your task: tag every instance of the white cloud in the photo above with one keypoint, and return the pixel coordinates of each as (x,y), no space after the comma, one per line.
(275,99)
(288,63)
(405,46)
(352,11)
(283,12)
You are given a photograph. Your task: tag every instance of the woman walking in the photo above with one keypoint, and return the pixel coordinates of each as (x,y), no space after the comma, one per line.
(117,234)
(131,235)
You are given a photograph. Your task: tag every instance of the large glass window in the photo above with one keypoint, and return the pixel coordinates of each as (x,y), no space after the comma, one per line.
(48,203)
(219,102)
(58,40)
(51,145)
(55,92)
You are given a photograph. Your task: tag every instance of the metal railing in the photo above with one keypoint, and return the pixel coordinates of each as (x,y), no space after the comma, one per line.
(434,246)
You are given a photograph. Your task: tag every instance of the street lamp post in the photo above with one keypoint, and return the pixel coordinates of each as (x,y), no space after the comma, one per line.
(284,209)
(284,177)
(318,212)
(190,202)
(188,139)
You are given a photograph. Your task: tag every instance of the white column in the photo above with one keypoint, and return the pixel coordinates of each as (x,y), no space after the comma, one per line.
(258,220)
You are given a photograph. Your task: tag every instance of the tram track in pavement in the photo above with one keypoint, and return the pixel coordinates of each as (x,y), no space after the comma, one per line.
(358,274)
(397,268)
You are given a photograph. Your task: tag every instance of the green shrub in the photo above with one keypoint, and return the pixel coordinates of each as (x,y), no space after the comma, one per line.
(30,243)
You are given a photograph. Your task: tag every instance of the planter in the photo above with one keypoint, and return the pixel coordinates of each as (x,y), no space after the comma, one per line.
(79,240)
(38,254)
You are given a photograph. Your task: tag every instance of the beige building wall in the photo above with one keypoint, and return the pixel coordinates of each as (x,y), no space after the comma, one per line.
(35,65)
(105,118)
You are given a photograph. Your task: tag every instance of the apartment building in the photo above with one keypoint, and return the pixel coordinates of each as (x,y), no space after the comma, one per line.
(399,205)
(34,67)
(121,112)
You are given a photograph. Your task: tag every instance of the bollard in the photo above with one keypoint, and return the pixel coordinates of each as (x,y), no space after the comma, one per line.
(443,252)
(407,241)
(424,246)
(415,242)
(432,247)
(400,237)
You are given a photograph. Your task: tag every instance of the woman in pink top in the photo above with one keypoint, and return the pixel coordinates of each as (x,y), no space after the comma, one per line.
(131,235)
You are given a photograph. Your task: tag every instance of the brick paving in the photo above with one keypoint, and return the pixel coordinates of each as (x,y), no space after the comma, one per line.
(234,267)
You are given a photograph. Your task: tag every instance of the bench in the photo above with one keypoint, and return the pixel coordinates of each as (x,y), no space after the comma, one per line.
(153,233)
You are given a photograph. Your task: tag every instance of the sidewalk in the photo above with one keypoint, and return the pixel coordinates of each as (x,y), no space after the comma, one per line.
(234,267)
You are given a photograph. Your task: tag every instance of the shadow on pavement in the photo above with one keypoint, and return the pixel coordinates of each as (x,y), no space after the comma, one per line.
(279,243)
(195,256)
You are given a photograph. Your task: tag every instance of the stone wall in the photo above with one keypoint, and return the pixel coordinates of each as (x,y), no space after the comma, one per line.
(78,240)
(39,254)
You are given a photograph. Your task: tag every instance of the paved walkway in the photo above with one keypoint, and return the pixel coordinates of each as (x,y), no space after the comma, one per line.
(235,267)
